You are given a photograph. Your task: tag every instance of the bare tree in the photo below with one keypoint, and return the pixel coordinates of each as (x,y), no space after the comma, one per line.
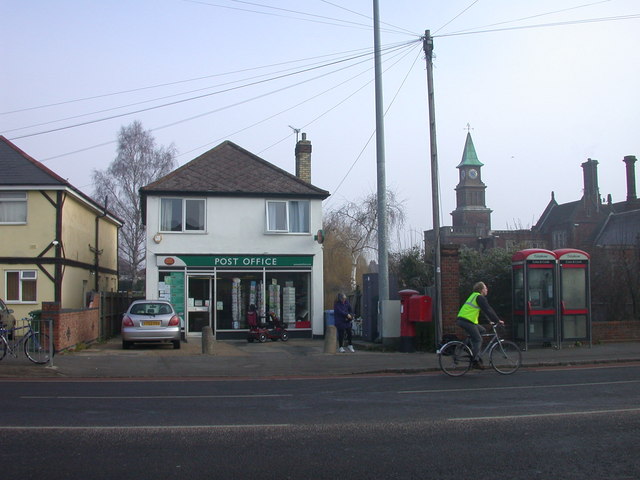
(138,162)
(355,226)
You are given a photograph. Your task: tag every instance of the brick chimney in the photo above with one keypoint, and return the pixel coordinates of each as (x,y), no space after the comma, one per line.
(303,159)
(631,178)
(591,194)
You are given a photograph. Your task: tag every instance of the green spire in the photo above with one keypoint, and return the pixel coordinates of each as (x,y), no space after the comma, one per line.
(469,156)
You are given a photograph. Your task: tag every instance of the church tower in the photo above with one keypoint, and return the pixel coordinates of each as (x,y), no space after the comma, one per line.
(471,215)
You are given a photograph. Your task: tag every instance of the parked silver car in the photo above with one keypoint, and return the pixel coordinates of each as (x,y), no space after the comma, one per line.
(150,321)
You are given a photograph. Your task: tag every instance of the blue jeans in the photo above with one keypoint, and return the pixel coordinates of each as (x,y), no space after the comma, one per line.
(475,332)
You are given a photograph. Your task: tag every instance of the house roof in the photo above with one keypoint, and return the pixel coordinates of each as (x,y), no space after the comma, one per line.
(230,170)
(469,156)
(20,170)
(620,229)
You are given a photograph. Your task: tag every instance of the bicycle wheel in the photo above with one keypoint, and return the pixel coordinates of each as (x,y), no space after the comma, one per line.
(454,358)
(37,348)
(505,357)
(3,347)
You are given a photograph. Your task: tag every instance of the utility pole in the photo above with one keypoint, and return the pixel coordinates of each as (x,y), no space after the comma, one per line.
(428,50)
(383,259)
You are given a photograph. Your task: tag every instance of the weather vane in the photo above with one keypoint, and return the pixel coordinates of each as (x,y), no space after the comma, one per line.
(468,127)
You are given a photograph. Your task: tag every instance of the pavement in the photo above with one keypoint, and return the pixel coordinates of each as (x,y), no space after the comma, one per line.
(295,358)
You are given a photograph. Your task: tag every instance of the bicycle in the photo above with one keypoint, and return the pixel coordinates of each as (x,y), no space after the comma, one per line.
(455,357)
(36,345)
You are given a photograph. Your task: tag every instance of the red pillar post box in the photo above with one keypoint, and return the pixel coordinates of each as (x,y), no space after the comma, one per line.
(407,328)
(420,308)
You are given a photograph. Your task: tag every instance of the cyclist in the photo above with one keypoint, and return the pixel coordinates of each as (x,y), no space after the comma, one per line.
(469,315)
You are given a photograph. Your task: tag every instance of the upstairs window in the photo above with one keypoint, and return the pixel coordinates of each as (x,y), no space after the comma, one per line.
(182,215)
(13,207)
(288,217)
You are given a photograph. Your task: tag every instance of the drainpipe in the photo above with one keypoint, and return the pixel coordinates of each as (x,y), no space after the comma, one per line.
(96,251)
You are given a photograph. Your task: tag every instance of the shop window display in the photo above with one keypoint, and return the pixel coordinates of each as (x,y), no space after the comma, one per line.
(235,291)
(288,296)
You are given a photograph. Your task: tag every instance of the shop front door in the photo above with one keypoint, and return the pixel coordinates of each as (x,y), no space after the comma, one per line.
(199,304)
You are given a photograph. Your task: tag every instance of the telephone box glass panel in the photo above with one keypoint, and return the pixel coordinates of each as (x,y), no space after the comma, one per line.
(541,295)
(574,293)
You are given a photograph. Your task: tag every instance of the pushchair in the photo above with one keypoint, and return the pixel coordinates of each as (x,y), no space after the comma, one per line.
(256,330)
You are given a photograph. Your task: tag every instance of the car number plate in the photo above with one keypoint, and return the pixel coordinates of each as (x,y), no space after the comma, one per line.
(151,323)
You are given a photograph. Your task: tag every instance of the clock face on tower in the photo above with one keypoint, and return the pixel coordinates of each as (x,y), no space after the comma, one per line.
(473,173)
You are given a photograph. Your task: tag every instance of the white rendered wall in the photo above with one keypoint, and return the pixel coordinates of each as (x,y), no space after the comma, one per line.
(237,226)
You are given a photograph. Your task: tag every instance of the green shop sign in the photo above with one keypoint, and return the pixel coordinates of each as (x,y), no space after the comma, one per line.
(236,260)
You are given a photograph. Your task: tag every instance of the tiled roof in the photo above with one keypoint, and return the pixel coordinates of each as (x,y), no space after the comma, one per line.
(18,168)
(22,171)
(231,170)
(620,229)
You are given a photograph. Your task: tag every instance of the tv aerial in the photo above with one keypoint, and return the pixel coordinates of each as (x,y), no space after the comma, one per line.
(297,130)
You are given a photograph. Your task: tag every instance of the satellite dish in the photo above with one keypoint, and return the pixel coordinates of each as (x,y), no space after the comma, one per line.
(319,237)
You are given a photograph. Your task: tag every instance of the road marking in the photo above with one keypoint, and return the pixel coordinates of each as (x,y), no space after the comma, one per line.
(144,397)
(520,387)
(537,415)
(145,427)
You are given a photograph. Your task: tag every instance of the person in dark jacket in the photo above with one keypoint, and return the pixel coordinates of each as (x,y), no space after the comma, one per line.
(343,315)
(469,316)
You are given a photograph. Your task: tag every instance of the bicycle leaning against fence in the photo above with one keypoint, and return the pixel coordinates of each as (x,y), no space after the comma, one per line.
(455,357)
(36,345)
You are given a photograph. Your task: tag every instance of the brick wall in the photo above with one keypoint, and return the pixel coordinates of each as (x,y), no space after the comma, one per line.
(623,331)
(450,275)
(72,327)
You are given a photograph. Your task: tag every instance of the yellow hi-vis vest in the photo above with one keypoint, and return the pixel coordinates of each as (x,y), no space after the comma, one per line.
(470,309)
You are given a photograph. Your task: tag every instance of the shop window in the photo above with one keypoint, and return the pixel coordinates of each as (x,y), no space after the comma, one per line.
(21,286)
(288,217)
(287,294)
(182,215)
(235,292)
(13,207)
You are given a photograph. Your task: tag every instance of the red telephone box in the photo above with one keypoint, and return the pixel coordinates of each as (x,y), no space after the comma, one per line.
(534,291)
(574,294)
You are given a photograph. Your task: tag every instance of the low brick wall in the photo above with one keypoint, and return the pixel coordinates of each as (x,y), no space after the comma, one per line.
(625,331)
(72,327)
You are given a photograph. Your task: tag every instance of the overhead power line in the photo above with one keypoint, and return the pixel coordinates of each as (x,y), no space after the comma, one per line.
(314,18)
(398,48)
(277,77)
(544,25)
(530,16)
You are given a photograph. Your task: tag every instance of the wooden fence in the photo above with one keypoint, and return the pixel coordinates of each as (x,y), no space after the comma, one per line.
(112,306)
